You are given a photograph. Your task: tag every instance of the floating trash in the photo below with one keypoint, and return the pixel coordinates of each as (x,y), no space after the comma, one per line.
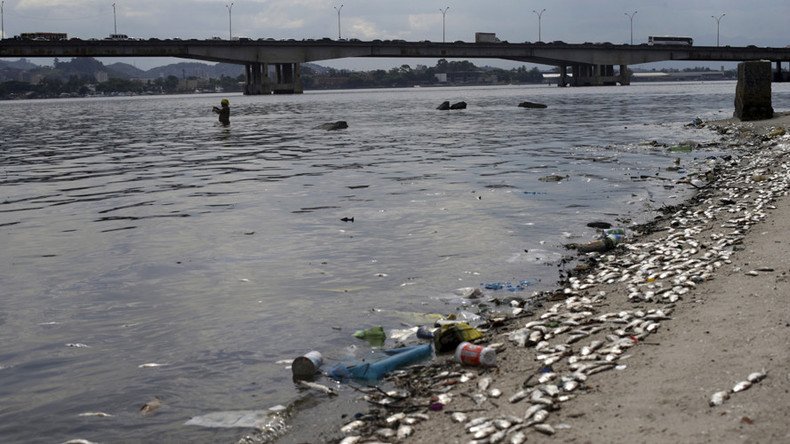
(150,407)
(151,365)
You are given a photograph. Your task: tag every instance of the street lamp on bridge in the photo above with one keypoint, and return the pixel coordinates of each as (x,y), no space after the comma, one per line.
(230,22)
(114,21)
(718,22)
(444,14)
(2,21)
(338,19)
(540,15)
(631,17)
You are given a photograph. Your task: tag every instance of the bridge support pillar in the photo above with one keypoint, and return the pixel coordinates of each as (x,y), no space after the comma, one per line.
(280,78)
(563,80)
(257,79)
(585,74)
(625,76)
(778,77)
(288,78)
(753,91)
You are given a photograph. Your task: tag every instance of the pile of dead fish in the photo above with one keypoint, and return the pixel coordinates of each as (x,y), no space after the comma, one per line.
(664,270)
(572,341)
(424,388)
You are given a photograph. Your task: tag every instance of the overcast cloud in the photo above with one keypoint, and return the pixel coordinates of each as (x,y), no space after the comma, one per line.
(756,22)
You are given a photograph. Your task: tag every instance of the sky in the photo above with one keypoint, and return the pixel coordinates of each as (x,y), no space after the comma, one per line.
(753,22)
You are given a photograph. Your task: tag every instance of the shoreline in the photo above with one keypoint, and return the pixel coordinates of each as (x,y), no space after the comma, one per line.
(673,345)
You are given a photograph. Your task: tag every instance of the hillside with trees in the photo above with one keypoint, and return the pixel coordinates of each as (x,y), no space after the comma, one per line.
(80,77)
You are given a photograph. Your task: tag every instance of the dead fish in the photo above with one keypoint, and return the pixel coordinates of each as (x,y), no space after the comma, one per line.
(518,438)
(476,422)
(540,416)
(479,427)
(532,410)
(385,432)
(404,432)
(756,377)
(485,432)
(544,428)
(497,437)
(347,219)
(77,345)
(589,349)
(741,386)
(518,396)
(570,386)
(410,421)
(151,406)
(321,388)
(459,417)
(395,418)
(579,376)
(546,377)
(420,416)
(551,390)
(98,414)
(718,398)
(351,426)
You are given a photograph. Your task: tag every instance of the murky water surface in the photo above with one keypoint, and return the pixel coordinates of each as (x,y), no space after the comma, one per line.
(139,231)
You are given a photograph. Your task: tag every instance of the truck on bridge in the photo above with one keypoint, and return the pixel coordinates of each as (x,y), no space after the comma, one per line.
(486,37)
(42,36)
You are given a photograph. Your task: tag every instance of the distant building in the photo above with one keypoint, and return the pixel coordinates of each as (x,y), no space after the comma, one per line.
(101,76)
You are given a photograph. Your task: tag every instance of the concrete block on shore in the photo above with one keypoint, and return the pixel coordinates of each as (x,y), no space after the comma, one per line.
(753,92)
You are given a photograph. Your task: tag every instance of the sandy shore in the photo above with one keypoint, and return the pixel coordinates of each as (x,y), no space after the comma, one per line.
(730,322)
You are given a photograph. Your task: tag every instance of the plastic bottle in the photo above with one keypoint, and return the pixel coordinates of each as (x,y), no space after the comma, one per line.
(400,358)
(470,354)
(615,238)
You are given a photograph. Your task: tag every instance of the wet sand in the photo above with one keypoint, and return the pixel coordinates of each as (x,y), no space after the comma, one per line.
(720,331)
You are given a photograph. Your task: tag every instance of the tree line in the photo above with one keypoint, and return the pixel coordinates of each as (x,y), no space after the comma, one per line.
(78,78)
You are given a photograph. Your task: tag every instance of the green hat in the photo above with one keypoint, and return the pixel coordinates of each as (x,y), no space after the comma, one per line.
(225,102)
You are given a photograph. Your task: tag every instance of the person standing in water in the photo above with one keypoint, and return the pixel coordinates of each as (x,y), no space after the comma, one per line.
(224,112)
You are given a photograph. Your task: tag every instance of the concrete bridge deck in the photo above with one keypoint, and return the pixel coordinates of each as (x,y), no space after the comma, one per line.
(591,64)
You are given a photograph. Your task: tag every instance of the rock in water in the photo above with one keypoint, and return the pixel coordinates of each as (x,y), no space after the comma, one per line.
(444,106)
(459,105)
(333,126)
(531,105)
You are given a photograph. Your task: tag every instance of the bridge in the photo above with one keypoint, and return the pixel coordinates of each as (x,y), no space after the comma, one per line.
(273,66)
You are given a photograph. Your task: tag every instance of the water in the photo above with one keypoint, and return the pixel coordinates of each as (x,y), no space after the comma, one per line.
(142,229)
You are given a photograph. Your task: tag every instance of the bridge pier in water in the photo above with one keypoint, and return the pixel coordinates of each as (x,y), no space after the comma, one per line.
(277,78)
(778,75)
(584,74)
